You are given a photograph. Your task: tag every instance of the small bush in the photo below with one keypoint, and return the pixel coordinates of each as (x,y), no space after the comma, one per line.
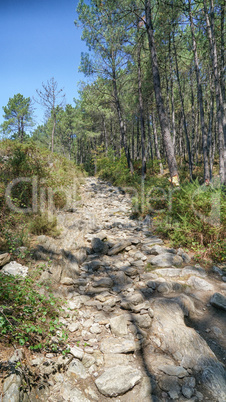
(26,316)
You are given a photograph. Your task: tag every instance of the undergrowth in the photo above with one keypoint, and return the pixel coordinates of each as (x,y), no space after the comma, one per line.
(29,317)
(32,181)
(191,216)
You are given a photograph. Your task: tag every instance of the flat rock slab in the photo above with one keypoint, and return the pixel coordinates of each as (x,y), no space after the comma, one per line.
(170,272)
(199,284)
(173,337)
(118,380)
(166,260)
(177,371)
(119,247)
(119,345)
(189,270)
(152,241)
(219,301)
(156,250)
(14,268)
(103,282)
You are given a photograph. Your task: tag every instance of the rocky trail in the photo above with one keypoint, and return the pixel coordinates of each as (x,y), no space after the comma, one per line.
(146,323)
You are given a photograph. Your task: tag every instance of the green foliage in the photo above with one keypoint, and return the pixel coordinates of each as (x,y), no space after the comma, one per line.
(55,177)
(115,169)
(16,238)
(18,116)
(196,219)
(28,317)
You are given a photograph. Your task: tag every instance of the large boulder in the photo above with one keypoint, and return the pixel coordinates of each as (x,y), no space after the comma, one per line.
(170,334)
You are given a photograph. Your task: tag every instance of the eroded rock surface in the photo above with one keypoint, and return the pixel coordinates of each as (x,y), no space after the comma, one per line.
(143,324)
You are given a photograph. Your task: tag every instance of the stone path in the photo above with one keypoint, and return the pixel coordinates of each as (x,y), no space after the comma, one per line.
(146,323)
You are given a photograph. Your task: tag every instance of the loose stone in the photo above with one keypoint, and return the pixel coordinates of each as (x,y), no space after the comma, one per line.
(218,300)
(117,380)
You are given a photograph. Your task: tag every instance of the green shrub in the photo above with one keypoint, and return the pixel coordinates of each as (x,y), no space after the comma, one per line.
(55,176)
(115,170)
(197,220)
(28,317)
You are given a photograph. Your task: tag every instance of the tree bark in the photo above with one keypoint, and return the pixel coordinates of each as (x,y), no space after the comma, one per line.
(164,123)
(141,112)
(121,122)
(133,135)
(157,153)
(193,137)
(150,138)
(200,98)
(172,98)
(223,50)
(221,119)
(183,111)
(105,137)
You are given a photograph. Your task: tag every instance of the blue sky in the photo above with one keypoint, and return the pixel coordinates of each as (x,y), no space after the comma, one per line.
(38,40)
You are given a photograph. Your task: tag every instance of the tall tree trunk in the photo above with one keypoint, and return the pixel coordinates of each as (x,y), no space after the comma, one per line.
(133,142)
(157,153)
(138,140)
(168,145)
(150,137)
(172,98)
(221,118)
(210,128)
(223,51)
(183,111)
(105,137)
(121,122)
(193,137)
(167,91)
(200,98)
(141,112)
(53,132)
